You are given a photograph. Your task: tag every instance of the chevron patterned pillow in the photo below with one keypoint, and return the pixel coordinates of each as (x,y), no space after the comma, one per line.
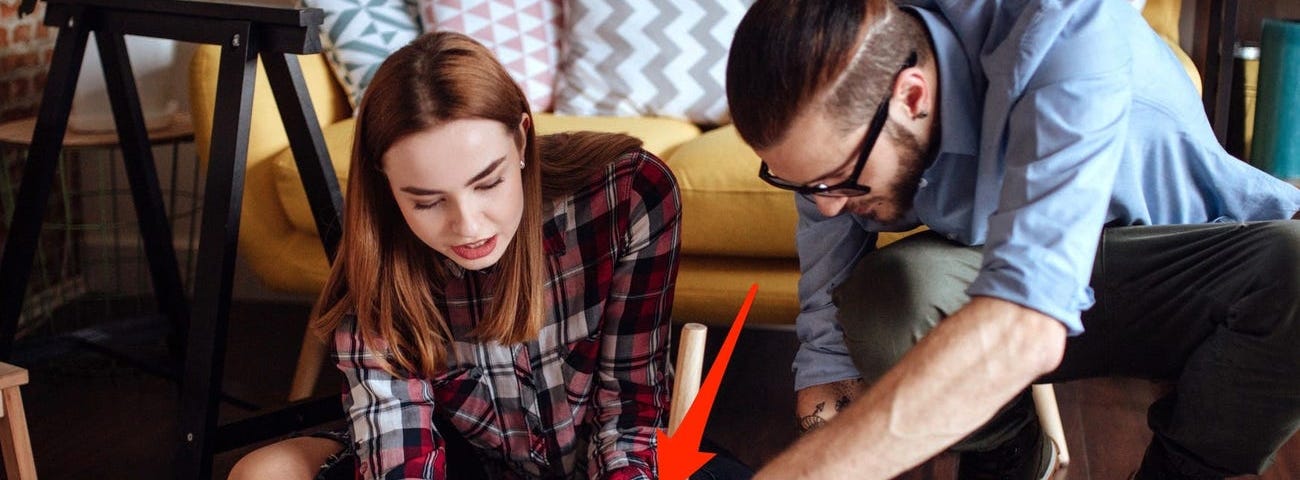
(359,34)
(523,34)
(662,58)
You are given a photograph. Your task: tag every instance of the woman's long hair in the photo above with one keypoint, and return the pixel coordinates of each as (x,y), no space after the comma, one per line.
(383,274)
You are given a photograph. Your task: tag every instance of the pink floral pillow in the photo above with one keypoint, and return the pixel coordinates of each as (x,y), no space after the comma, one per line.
(524,35)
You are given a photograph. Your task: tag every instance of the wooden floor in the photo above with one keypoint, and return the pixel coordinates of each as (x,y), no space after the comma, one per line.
(92,417)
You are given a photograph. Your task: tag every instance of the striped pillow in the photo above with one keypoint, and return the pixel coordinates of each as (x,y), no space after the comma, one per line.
(664,58)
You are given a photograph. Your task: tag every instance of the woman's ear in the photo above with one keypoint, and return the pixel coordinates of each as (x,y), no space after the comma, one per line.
(525,124)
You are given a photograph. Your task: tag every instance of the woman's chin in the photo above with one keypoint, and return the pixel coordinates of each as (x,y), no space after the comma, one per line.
(477,263)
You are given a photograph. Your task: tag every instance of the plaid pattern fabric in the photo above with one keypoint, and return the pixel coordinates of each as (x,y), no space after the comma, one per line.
(584,399)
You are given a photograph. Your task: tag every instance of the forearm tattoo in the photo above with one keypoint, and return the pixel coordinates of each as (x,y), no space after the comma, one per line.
(847,391)
(813,420)
(844,393)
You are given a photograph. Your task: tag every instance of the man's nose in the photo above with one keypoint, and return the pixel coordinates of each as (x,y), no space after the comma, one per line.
(830,206)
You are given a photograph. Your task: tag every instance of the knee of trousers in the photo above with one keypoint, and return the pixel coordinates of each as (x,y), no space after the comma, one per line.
(1275,302)
(895,295)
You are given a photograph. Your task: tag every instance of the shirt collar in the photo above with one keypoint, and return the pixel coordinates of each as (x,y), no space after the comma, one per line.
(957,109)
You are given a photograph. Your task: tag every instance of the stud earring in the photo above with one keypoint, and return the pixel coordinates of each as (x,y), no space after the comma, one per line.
(521,164)
(921,115)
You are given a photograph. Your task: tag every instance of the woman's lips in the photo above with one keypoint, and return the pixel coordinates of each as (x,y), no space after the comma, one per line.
(476,250)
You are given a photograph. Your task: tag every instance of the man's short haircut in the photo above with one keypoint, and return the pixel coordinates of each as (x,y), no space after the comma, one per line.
(786,53)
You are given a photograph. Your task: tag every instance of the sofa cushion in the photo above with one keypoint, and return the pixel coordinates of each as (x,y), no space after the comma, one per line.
(359,34)
(664,58)
(523,34)
(710,290)
(659,134)
(288,185)
(727,209)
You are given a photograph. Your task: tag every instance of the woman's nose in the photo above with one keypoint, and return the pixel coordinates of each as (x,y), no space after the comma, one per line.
(465,222)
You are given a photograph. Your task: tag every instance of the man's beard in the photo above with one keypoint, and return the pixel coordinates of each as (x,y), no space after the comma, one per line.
(900,195)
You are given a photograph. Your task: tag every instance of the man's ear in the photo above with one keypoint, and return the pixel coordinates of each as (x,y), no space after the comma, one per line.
(912,91)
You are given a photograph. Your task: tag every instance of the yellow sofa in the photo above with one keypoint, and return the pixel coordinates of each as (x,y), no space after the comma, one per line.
(736,229)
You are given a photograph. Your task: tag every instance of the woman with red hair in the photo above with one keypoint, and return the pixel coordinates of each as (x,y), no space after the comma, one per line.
(500,302)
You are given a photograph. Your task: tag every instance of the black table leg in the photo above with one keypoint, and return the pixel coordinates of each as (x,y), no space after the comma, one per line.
(151,213)
(38,174)
(308,144)
(218,237)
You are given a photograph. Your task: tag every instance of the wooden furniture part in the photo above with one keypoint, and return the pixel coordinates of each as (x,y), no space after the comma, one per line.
(688,371)
(17,446)
(1216,34)
(1049,415)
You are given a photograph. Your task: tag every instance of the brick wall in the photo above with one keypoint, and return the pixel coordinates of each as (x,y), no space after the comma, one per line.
(26,46)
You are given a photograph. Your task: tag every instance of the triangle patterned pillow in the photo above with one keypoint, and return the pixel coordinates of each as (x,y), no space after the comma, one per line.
(523,34)
(359,34)
(665,58)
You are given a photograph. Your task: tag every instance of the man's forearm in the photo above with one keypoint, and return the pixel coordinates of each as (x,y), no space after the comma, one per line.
(953,381)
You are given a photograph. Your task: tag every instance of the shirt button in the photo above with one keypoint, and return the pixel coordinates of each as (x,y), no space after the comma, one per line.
(951,236)
(924,183)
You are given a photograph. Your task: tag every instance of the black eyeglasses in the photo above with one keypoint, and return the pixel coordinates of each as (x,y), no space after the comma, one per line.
(850,186)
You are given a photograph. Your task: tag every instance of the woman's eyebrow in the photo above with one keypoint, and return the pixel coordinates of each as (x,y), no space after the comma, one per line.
(481,175)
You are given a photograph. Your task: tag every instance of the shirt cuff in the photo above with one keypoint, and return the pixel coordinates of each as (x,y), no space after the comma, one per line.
(813,367)
(634,470)
(1065,310)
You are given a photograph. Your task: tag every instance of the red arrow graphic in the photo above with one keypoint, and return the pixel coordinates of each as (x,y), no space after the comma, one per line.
(679,455)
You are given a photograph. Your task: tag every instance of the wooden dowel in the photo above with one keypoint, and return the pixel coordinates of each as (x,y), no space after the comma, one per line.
(1049,415)
(689,370)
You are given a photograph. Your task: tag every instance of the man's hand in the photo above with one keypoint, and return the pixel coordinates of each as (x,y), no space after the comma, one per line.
(815,405)
(943,389)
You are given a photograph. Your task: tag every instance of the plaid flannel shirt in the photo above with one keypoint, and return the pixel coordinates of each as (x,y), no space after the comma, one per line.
(584,399)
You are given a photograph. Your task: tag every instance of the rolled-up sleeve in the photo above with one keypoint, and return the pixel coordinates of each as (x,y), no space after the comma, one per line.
(1063,149)
(391,417)
(828,249)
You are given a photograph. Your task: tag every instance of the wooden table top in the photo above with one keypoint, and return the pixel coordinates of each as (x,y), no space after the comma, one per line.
(19,133)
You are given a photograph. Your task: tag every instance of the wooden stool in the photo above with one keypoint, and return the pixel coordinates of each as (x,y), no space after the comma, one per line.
(17,446)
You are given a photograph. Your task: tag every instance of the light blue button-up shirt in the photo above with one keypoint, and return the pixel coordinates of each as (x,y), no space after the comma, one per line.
(1058,117)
